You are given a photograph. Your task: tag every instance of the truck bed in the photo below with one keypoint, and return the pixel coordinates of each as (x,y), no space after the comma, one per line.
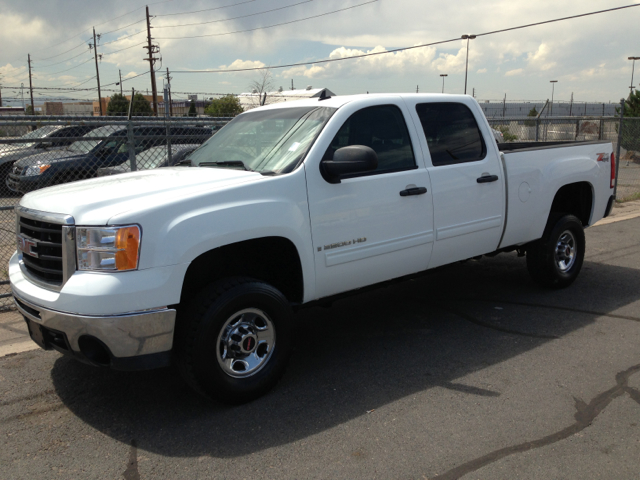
(513,146)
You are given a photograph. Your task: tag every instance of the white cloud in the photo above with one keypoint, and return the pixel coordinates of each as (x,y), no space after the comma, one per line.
(539,59)
(512,73)
(379,64)
(482,70)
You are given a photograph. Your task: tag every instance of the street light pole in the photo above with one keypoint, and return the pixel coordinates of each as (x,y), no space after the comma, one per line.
(553,86)
(466,68)
(443,75)
(633,67)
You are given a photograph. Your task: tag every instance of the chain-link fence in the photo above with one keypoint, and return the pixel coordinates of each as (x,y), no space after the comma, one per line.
(38,152)
(44,151)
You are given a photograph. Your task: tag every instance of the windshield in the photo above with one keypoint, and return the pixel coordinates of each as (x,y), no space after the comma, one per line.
(38,133)
(268,141)
(85,146)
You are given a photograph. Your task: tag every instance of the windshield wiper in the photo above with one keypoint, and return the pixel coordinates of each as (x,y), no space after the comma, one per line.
(186,161)
(226,163)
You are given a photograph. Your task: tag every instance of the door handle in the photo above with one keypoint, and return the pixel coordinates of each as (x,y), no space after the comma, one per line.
(487,179)
(413,191)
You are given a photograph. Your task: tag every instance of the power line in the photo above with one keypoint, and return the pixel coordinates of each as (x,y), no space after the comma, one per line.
(123,38)
(271,26)
(122,28)
(205,10)
(235,18)
(62,71)
(329,60)
(126,48)
(104,23)
(62,61)
(70,50)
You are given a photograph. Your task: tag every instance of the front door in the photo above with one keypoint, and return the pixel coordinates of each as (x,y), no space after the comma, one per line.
(372,226)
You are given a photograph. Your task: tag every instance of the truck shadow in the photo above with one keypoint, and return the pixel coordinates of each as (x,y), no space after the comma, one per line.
(365,352)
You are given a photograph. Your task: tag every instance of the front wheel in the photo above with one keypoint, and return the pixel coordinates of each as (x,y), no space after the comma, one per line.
(233,340)
(555,260)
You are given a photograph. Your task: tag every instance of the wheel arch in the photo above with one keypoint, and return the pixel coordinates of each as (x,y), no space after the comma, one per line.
(274,260)
(575,199)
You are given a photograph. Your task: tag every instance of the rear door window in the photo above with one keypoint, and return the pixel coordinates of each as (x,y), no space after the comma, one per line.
(452,133)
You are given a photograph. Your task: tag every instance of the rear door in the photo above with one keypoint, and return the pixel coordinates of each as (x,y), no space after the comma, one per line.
(466,179)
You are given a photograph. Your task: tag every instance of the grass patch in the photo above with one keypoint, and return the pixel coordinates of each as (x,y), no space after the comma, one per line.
(629,198)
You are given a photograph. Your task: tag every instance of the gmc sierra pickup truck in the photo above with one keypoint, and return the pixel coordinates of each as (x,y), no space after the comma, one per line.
(288,205)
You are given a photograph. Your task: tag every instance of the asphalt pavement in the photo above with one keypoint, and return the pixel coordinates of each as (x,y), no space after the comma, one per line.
(469,372)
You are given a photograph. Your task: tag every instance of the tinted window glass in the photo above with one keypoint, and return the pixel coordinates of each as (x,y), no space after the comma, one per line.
(452,133)
(384,130)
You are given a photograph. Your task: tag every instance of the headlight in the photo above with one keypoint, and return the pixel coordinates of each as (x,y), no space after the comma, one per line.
(34,170)
(108,248)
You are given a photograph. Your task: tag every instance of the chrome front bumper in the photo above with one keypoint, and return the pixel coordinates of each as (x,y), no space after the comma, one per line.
(138,338)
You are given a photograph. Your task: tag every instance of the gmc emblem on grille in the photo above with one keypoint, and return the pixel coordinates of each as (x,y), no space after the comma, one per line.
(27,246)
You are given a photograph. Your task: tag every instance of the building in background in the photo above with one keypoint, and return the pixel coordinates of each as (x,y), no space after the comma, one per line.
(4,111)
(52,108)
(78,109)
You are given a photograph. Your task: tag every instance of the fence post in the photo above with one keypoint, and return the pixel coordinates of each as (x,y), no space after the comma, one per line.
(577,129)
(537,128)
(601,133)
(132,146)
(130,139)
(615,190)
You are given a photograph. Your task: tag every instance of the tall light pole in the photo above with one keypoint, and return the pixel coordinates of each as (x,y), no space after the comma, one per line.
(443,75)
(633,67)
(466,68)
(553,86)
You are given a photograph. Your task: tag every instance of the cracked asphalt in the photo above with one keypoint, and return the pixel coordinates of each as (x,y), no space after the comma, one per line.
(470,372)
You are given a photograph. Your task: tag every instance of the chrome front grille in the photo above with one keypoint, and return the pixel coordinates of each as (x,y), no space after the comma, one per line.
(47,244)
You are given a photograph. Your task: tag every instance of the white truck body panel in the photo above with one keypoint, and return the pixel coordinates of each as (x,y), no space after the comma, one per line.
(348,235)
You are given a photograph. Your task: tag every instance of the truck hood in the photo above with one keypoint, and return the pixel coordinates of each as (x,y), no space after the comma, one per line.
(95,201)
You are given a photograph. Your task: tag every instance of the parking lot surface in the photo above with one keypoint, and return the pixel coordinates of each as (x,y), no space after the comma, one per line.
(469,372)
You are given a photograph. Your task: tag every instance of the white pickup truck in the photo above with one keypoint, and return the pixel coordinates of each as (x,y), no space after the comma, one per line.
(289,205)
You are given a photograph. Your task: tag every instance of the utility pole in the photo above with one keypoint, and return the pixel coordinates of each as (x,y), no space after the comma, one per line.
(33,108)
(0,93)
(120,74)
(95,56)
(169,85)
(152,60)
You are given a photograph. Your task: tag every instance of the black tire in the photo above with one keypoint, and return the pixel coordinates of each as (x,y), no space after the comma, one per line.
(555,260)
(215,315)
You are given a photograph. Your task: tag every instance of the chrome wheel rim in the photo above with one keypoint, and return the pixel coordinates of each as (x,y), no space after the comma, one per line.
(565,254)
(245,343)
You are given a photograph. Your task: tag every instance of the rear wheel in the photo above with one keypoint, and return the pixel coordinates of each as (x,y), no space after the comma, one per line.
(233,340)
(555,260)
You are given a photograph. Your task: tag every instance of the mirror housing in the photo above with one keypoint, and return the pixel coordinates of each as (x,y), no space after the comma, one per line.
(347,161)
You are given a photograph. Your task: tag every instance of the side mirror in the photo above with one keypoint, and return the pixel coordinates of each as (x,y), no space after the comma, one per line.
(348,160)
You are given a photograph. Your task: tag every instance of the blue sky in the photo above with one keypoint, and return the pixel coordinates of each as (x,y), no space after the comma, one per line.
(587,56)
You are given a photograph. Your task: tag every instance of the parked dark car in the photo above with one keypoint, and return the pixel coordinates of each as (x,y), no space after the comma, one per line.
(15,151)
(83,158)
(155,157)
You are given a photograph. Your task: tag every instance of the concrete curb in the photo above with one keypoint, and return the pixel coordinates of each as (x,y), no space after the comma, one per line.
(622,211)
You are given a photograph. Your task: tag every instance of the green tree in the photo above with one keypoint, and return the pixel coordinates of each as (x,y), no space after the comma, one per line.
(532,113)
(29,111)
(141,106)
(630,134)
(118,105)
(508,136)
(192,109)
(227,106)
